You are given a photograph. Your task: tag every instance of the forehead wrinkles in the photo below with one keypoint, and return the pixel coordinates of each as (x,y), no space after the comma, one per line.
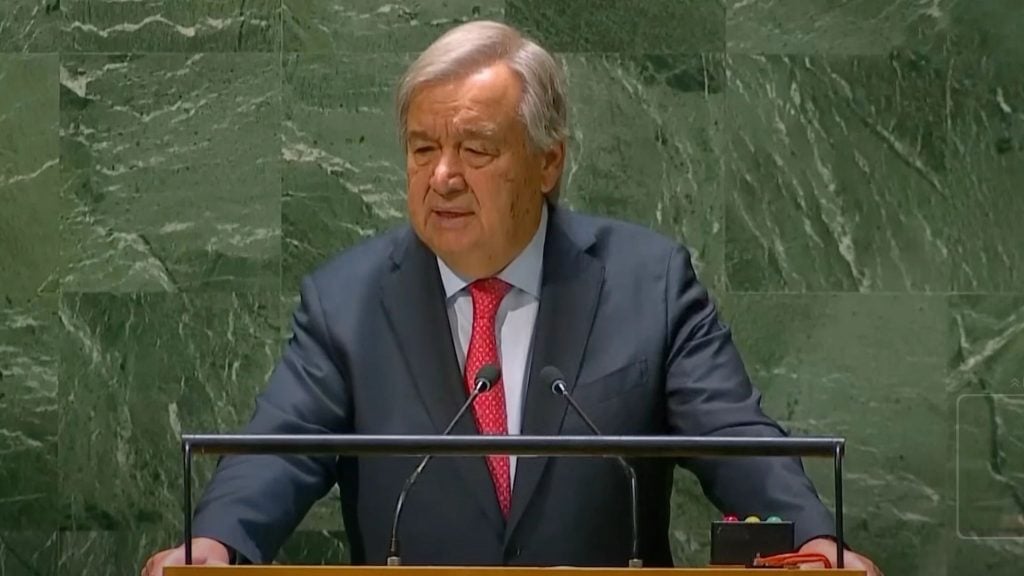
(475,127)
(464,111)
(461,126)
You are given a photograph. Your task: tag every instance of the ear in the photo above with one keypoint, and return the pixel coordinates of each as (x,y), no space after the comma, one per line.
(552,163)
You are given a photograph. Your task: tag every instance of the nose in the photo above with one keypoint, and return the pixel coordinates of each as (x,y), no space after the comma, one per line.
(448,174)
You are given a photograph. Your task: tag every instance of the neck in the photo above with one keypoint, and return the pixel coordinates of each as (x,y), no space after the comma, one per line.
(491,263)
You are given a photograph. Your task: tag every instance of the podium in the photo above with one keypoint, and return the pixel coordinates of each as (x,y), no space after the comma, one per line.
(571,446)
(485,571)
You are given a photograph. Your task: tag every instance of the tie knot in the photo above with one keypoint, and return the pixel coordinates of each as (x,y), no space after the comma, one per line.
(488,292)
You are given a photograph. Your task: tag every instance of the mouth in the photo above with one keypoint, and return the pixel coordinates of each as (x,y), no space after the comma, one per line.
(451,218)
(452,214)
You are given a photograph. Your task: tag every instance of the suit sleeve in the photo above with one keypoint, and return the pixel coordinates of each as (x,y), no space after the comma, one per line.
(254,502)
(710,394)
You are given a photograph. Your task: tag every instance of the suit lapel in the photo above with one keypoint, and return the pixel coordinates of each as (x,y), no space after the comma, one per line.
(570,289)
(414,303)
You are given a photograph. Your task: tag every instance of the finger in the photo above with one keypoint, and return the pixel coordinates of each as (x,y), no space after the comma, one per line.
(151,565)
(174,557)
(858,562)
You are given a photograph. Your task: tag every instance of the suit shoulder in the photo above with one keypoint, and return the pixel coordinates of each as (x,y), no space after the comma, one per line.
(621,238)
(360,263)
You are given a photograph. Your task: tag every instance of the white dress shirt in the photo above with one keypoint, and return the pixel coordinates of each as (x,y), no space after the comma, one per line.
(513,325)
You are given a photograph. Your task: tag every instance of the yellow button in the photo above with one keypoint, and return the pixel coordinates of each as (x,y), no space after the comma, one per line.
(752,519)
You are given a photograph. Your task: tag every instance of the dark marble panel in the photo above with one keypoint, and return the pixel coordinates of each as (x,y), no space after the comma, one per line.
(29,25)
(985,465)
(315,548)
(835,174)
(870,368)
(28,416)
(989,556)
(650,26)
(987,391)
(990,465)
(113,552)
(171,169)
(988,28)
(179,26)
(126,551)
(372,26)
(690,522)
(29,175)
(989,330)
(646,145)
(834,26)
(324,516)
(29,553)
(985,99)
(344,175)
(136,372)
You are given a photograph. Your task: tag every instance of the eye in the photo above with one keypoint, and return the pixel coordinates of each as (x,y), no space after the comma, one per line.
(475,151)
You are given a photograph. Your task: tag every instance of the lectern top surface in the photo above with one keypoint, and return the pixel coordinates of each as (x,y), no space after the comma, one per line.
(489,570)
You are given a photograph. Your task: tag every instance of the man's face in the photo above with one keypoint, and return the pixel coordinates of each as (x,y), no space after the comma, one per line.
(475,186)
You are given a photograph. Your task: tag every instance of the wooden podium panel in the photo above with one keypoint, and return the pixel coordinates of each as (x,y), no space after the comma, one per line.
(488,570)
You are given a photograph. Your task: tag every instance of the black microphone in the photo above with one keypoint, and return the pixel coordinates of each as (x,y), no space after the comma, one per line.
(485,379)
(552,377)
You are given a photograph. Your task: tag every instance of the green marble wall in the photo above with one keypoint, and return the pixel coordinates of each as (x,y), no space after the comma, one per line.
(848,173)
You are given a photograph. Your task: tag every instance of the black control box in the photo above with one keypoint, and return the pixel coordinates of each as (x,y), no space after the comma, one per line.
(735,543)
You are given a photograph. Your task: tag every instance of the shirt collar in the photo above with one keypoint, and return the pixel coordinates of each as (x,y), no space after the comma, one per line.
(523,273)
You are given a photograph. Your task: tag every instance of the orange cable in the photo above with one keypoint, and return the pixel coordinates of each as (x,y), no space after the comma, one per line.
(792,559)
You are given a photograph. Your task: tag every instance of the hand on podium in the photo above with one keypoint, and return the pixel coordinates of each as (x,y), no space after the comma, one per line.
(205,552)
(827,548)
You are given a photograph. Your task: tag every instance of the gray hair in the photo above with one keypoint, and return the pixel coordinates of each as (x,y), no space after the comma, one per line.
(478,44)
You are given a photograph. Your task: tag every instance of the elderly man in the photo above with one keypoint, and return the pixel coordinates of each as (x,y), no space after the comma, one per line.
(389,335)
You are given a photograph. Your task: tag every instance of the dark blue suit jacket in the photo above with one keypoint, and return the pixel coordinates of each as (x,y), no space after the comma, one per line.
(621,314)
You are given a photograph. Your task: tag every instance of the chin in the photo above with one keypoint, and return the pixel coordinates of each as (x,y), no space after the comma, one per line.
(448,244)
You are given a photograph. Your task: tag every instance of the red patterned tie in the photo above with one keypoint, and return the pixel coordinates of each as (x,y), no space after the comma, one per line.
(489,408)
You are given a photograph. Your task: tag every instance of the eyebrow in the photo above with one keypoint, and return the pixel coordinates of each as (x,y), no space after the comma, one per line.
(481,131)
(418,135)
(487,131)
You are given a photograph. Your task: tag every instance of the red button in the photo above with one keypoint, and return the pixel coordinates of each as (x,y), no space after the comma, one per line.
(731,518)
